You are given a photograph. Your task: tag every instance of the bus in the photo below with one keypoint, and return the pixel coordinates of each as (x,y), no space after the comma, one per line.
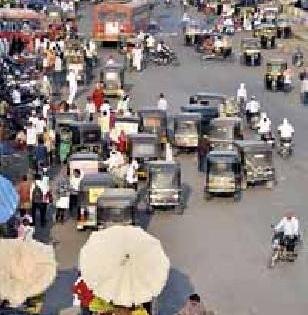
(112,19)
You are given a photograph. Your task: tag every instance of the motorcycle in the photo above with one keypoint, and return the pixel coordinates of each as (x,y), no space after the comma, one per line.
(166,58)
(285,147)
(279,252)
(268,138)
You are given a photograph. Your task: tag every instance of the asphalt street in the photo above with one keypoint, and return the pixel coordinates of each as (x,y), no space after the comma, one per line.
(217,248)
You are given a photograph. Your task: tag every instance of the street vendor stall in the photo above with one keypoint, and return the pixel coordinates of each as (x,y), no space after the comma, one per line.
(126,266)
(27,269)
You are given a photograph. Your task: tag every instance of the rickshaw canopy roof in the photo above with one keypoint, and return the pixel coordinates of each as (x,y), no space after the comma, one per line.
(159,163)
(223,155)
(276,62)
(96,180)
(117,198)
(84,156)
(116,66)
(20,14)
(85,125)
(253,145)
(140,137)
(152,112)
(65,116)
(128,119)
(226,121)
(250,42)
(210,111)
(209,96)
(187,117)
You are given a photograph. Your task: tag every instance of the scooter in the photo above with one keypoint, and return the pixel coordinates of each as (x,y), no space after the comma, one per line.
(285,147)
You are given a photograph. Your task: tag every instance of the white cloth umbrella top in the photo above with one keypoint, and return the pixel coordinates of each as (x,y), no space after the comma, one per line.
(27,268)
(125,265)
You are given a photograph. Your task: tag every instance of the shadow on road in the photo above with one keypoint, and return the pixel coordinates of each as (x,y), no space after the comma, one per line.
(176,292)
(59,295)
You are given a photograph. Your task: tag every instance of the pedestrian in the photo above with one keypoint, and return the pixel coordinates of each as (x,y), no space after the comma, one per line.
(16,96)
(90,109)
(203,148)
(62,205)
(89,63)
(31,140)
(41,154)
(25,230)
(46,109)
(58,73)
(304,87)
(193,306)
(24,191)
(73,86)
(37,199)
(74,189)
(40,125)
(162,103)
(169,154)
(131,176)
(122,142)
(46,89)
(98,96)
(137,57)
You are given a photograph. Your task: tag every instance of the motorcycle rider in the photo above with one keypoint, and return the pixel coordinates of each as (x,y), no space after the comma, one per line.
(252,107)
(298,57)
(264,126)
(285,130)
(289,225)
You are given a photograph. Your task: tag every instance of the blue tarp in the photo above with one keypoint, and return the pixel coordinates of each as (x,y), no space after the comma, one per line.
(8,199)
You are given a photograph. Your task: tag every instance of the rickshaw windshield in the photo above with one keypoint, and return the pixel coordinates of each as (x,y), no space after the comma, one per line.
(220,132)
(163,177)
(275,68)
(144,150)
(225,167)
(186,127)
(151,124)
(262,159)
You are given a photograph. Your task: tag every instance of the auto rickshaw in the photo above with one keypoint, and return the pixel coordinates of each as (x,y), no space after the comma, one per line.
(86,136)
(257,161)
(267,34)
(250,52)
(91,187)
(223,174)
(207,98)
(164,186)
(191,30)
(230,108)
(274,76)
(58,120)
(75,60)
(210,52)
(223,131)
(207,114)
(143,147)
(154,121)
(284,28)
(113,78)
(116,206)
(87,163)
(186,131)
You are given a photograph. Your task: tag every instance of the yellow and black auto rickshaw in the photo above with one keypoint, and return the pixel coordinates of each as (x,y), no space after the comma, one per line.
(274,78)
(250,52)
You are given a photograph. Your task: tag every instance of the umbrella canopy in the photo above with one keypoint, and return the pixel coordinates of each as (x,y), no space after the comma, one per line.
(27,268)
(8,199)
(125,265)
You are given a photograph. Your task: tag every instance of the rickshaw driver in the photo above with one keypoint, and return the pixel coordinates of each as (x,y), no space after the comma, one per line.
(252,107)
(264,126)
(218,44)
(116,160)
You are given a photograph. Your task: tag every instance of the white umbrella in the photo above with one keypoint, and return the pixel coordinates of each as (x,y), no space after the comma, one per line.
(125,265)
(27,268)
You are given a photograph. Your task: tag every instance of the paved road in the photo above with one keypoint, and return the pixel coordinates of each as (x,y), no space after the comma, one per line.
(217,248)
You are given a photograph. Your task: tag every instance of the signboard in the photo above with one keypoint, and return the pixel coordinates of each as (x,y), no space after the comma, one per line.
(94,193)
(112,28)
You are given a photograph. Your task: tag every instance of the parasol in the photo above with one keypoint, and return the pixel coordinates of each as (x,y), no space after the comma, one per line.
(125,265)
(8,199)
(27,268)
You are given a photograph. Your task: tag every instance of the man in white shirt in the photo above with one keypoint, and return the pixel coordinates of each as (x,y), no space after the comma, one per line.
(40,125)
(72,82)
(252,107)
(131,176)
(150,42)
(242,93)
(285,130)
(162,103)
(75,186)
(33,119)
(16,96)
(289,225)
(265,124)
(45,110)
(90,108)
(31,138)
